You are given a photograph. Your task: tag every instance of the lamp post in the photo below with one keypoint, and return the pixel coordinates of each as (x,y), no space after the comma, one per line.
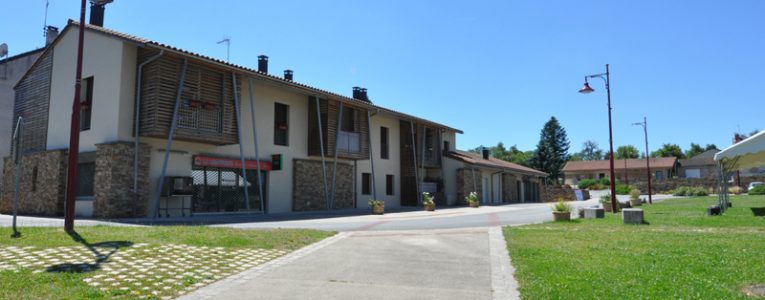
(586,89)
(647,156)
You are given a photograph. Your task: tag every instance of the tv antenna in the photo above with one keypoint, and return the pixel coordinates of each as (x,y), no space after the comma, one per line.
(45,22)
(228,46)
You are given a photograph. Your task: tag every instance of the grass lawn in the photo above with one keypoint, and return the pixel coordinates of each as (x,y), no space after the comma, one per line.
(681,254)
(134,262)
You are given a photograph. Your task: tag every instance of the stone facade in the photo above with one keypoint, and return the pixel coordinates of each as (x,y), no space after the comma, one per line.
(42,184)
(465,184)
(551,194)
(510,192)
(113,182)
(308,185)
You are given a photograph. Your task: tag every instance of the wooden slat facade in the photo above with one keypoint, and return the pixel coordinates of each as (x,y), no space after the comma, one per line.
(32,101)
(207,91)
(408,174)
(329,110)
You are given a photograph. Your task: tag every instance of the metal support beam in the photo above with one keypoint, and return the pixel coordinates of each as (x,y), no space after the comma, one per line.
(371,154)
(255,141)
(169,145)
(414,156)
(239,136)
(137,128)
(18,153)
(334,162)
(422,162)
(321,145)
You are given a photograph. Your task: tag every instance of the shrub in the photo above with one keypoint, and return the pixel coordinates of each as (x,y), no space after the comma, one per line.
(605,198)
(587,183)
(561,206)
(623,189)
(699,191)
(680,191)
(690,191)
(427,199)
(757,190)
(634,194)
(605,181)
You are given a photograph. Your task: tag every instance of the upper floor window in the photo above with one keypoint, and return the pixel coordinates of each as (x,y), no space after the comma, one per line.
(384,148)
(349,120)
(349,137)
(281,124)
(430,151)
(86,103)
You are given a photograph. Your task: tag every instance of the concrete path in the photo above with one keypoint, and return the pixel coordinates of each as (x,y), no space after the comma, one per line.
(469,263)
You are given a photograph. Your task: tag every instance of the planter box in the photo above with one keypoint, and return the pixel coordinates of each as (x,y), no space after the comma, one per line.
(474,204)
(561,216)
(430,207)
(378,210)
(637,202)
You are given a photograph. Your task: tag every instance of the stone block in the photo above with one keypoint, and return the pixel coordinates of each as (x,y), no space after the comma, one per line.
(594,213)
(632,215)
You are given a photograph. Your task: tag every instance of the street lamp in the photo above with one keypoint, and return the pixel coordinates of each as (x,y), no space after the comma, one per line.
(586,89)
(647,156)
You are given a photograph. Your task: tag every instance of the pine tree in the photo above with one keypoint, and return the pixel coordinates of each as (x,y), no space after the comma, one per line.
(552,151)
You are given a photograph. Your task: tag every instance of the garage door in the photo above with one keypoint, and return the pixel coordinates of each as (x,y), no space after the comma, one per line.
(692,173)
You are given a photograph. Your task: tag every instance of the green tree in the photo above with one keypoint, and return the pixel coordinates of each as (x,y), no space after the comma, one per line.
(627,151)
(710,147)
(520,157)
(552,150)
(669,150)
(500,152)
(590,151)
(694,150)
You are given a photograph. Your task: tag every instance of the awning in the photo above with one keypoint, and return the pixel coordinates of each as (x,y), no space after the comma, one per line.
(749,153)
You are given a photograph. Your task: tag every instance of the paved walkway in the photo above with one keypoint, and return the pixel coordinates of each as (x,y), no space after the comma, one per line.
(469,263)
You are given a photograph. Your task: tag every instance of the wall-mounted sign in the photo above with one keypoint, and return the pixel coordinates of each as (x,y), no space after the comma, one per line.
(277,161)
(233,163)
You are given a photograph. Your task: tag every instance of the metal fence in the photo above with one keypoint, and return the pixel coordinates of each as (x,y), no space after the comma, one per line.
(222,190)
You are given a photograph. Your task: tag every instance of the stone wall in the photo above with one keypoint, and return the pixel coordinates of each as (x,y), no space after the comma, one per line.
(465,184)
(308,185)
(113,183)
(551,194)
(668,185)
(42,184)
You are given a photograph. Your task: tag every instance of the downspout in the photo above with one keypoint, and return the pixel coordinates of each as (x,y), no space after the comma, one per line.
(321,145)
(255,141)
(337,145)
(136,146)
(422,162)
(170,134)
(414,156)
(239,136)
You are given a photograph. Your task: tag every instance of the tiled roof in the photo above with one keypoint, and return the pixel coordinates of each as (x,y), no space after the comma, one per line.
(294,84)
(637,163)
(706,158)
(477,159)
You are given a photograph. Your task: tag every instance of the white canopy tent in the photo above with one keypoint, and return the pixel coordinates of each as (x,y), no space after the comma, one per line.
(749,153)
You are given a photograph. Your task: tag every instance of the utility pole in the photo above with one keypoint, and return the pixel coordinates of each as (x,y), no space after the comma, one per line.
(74,132)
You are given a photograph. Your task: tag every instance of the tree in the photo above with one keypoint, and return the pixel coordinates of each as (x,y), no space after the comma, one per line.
(552,150)
(627,151)
(520,157)
(500,152)
(669,150)
(710,147)
(694,150)
(590,151)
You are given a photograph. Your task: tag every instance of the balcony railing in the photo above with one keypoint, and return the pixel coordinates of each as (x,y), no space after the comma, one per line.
(349,142)
(200,116)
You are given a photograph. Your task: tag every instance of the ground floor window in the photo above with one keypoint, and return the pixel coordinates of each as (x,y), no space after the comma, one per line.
(389,185)
(222,190)
(366,183)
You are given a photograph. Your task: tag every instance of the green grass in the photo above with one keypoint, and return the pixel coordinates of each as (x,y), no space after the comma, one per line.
(681,254)
(24,284)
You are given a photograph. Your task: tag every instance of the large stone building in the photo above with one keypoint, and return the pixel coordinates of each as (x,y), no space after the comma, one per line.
(231,128)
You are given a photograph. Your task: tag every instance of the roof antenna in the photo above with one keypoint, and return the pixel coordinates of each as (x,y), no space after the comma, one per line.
(228,46)
(45,22)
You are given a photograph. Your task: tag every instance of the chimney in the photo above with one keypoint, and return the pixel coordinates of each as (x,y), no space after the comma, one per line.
(356,93)
(263,64)
(288,75)
(363,94)
(737,138)
(485,152)
(51,33)
(97,8)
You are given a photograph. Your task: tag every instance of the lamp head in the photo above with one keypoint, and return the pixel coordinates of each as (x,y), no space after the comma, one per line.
(586,89)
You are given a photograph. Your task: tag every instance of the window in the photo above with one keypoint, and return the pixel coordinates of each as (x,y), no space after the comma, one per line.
(366,183)
(601,175)
(430,153)
(281,124)
(85,175)
(86,103)
(446,146)
(659,175)
(389,185)
(34,178)
(384,151)
(349,120)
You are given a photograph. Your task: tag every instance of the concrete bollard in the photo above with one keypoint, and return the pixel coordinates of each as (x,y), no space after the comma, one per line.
(594,213)
(632,216)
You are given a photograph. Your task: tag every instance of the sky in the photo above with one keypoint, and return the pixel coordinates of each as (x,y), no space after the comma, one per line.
(498,70)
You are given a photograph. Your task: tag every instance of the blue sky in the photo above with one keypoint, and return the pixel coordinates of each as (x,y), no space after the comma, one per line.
(496,69)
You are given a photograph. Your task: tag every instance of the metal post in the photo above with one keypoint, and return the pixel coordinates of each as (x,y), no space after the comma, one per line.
(136,146)
(611,143)
(421,179)
(74,131)
(371,154)
(647,159)
(18,155)
(255,141)
(321,145)
(239,136)
(334,163)
(414,156)
(169,145)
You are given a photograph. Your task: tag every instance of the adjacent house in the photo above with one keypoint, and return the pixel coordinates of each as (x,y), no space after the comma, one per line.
(166,131)
(700,166)
(624,169)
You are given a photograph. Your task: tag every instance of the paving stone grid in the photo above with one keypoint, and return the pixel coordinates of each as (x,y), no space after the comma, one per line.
(140,270)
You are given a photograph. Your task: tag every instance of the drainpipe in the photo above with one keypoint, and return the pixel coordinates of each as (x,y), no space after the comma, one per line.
(136,147)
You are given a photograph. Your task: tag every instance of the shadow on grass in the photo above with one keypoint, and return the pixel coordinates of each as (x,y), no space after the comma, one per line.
(758,211)
(111,247)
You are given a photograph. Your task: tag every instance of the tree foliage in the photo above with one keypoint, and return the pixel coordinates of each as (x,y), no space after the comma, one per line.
(669,150)
(552,150)
(513,154)
(590,151)
(694,150)
(627,151)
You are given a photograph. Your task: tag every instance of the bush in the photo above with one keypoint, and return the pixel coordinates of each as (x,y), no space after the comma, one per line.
(587,183)
(736,190)
(634,194)
(561,206)
(605,181)
(690,191)
(757,190)
(623,189)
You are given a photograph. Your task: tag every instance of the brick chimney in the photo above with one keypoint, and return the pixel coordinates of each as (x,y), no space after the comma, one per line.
(263,64)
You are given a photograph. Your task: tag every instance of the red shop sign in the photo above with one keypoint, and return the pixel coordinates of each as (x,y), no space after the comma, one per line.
(232,163)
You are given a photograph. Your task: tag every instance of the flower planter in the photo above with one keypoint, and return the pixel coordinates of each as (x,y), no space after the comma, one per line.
(378,209)
(561,216)
(607,207)
(430,207)
(474,204)
(636,202)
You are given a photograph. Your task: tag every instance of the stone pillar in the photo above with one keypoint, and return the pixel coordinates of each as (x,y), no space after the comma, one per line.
(465,184)
(308,185)
(42,184)
(113,183)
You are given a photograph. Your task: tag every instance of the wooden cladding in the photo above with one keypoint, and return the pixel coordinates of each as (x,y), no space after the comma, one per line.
(206,111)
(32,102)
(353,141)
(408,157)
